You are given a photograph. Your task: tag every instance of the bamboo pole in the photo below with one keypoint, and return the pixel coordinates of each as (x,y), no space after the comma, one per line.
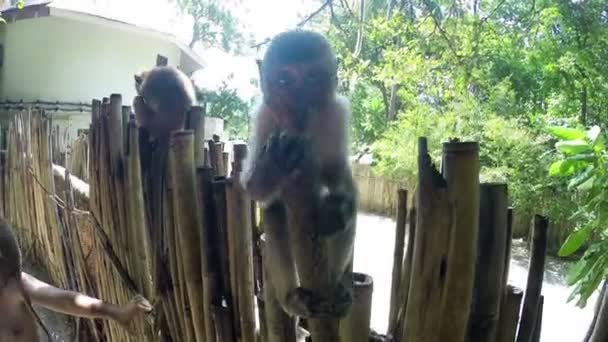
(240,225)
(398,252)
(509,314)
(209,259)
(461,171)
(433,222)
(355,327)
(508,243)
(488,293)
(188,221)
(535,279)
(137,218)
(406,274)
(221,241)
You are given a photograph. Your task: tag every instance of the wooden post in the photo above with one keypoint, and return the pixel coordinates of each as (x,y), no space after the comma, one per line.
(493,222)
(433,221)
(397,258)
(535,279)
(355,326)
(509,314)
(188,222)
(461,171)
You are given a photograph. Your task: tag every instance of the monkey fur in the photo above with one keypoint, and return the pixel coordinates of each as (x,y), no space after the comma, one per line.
(12,293)
(300,132)
(164,97)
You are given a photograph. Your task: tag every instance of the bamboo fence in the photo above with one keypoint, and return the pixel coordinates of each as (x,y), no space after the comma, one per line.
(168,219)
(450,278)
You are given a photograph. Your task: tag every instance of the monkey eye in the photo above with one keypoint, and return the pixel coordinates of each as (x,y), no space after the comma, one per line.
(284,79)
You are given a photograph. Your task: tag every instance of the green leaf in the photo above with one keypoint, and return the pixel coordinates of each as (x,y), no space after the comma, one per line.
(566,167)
(579,270)
(582,177)
(574,241)
(587,185)
(2,20)
(566,133)
(572,147)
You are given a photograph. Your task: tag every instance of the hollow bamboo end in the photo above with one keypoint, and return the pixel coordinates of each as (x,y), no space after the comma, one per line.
(460,146)
(363,280)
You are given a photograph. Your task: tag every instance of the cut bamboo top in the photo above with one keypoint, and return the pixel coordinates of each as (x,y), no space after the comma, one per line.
(461,146)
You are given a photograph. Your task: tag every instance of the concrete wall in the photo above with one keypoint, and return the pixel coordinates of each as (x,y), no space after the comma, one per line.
(63,59)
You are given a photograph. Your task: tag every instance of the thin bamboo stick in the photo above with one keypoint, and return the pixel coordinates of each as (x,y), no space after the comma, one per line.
(539,320)
(398,252)
(535,279)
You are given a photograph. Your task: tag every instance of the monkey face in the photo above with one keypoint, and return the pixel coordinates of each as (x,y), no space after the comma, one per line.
(295,92)
(17,323)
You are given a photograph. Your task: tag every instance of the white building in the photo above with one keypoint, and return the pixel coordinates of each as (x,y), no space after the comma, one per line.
(61,59)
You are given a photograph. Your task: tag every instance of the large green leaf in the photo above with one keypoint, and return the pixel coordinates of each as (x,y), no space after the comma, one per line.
(572,147)
(566,133)
(566,167)
(582,177)
(579,270)
(574,242)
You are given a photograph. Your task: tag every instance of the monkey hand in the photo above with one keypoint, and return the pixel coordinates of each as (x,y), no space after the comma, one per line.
(137,307)
(290,156)
(336,212)
(307,304)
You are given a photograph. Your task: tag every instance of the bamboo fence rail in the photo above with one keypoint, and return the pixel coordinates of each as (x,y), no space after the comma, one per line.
(168,219)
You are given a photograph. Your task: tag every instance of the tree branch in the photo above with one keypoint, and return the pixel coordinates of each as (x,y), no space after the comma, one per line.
(299,25)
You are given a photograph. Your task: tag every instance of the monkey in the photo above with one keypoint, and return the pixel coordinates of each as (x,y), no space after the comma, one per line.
(18,324)
(164,97)
(300,133)
(19,290)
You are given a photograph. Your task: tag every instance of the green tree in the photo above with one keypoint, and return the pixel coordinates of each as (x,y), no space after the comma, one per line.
(213,24)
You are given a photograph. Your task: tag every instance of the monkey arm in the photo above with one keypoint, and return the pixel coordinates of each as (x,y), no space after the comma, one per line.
(78,304)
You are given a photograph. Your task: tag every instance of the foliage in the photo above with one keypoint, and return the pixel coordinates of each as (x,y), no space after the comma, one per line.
(225,103)
(213,24)
(583,159)
(495,71)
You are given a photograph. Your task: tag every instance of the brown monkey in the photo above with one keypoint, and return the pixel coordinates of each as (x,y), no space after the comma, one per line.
(19,290)
(165,95)
(301,133)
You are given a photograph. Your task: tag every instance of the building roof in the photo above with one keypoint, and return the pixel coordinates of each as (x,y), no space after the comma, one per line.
(42,8)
